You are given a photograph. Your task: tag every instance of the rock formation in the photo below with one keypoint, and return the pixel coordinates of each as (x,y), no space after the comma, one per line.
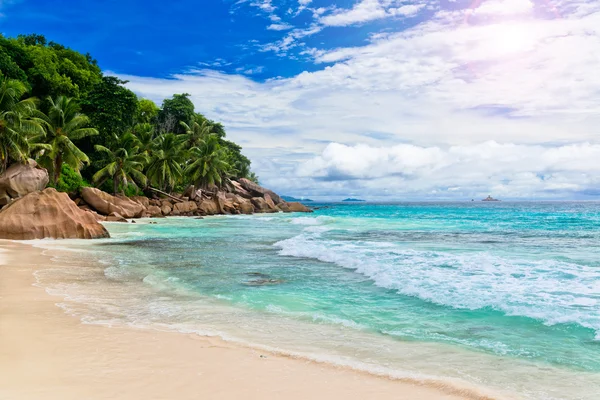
(259,191)
(246,198)
(21,179)
(48,214)
(107,204)
(298,207)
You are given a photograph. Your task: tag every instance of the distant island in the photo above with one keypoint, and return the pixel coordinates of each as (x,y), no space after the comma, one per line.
(351,199)
(290,198)
(490,198)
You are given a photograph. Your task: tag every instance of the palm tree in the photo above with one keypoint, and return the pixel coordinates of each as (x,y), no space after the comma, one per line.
(164,169)
(17,123)
(124,165)
(195,133)
(65,124)
(209,166)
(144,136)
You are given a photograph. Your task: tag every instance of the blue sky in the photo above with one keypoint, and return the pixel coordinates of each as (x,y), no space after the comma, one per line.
(382,99)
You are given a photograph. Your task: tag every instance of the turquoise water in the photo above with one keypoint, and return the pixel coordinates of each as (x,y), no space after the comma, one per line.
(502,296)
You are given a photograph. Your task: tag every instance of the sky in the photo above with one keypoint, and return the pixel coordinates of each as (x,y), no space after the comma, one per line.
(377,99)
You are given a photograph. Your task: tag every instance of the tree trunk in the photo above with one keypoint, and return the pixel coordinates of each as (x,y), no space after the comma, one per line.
(165,194)
(57,168)
(115,185)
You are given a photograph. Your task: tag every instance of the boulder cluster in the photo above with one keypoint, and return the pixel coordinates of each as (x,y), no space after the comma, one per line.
(242,197)
(32,212)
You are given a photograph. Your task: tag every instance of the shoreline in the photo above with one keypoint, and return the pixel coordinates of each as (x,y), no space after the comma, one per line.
(48,354)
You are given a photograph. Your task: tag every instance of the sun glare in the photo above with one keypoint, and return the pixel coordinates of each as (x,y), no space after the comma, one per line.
(511,39)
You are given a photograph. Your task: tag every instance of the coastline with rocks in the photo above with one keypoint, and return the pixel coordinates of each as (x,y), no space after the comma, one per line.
(32,211)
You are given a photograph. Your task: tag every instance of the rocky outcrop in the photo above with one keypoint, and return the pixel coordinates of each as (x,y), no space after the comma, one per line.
(115,217)
(21,179)
(269,201)
(261,205)
(283,207)
(192,193)
(166,209)
(48,214)
(298,207)
(237,188)
(193,202)
(141,200)
(154,211)
(259,191)
(184,207)
(208,207)
(107,204)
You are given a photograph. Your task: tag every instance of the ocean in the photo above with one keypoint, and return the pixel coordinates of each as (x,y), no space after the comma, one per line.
(498,298)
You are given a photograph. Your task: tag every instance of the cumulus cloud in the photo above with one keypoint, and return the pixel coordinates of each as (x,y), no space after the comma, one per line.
(522,86)
(507,170)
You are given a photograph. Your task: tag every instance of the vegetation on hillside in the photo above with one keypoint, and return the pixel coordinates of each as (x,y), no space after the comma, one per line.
(57,107)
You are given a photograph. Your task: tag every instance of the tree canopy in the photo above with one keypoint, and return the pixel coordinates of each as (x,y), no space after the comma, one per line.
(56,106)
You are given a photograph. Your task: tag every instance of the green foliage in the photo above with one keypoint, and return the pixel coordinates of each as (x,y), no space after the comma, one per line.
(132,190)
(47,68)
(9,68)
(195,133)
(175,110)
(64,124)
(240,164)
(124,164)
(112,108)
(70,181)
(164,169)
(147,112)
(18,123)
(209,165)
(119,138)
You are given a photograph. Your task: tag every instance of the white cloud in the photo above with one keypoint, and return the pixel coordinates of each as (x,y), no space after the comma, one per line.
(475,170)
(368,10)
(521,87)
(279,27)
(251,70)
(264,5)
(505,7)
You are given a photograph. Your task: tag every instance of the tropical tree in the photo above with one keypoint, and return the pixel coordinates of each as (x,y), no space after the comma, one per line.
(64,124)
(164,169)
(144,136)
(147,111)
(17,123)
(208,165)
(195,133)
(124,164)
(174,110)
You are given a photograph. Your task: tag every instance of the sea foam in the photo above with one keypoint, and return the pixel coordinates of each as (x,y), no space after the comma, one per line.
(551,291)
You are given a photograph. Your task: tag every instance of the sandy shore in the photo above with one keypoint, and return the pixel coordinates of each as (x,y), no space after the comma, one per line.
(45,354)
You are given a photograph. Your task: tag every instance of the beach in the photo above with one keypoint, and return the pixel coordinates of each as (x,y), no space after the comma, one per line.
(406,300)
(47,354)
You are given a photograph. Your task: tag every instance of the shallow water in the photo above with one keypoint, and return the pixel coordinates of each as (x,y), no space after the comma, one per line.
(504,296)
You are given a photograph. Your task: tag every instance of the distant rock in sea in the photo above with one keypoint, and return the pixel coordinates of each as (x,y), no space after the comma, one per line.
(351,199)
(290,198)
(490,198)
